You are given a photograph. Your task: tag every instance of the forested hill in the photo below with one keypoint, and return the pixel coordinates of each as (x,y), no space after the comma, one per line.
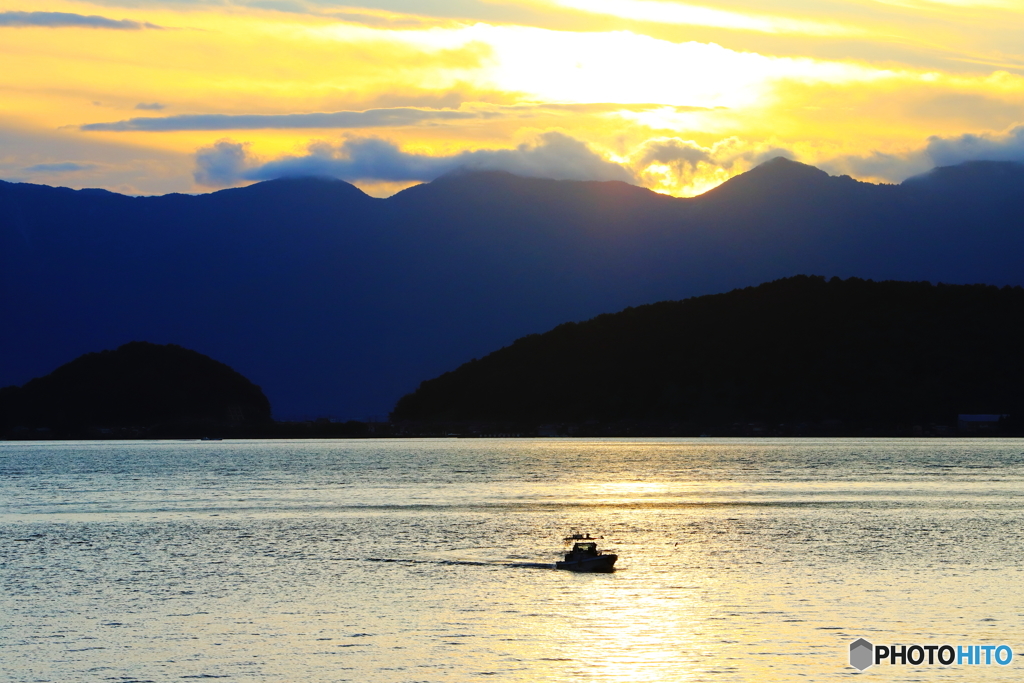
(799,353)
(139,388)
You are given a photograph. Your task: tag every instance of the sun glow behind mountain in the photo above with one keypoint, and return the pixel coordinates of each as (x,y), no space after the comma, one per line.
(160,95)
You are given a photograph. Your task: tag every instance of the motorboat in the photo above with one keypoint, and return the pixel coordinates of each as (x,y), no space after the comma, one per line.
(585,557)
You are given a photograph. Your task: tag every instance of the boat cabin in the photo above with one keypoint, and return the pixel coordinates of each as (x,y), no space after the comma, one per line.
(585,549)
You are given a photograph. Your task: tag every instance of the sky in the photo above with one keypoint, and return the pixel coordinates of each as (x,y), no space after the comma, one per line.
(158,96)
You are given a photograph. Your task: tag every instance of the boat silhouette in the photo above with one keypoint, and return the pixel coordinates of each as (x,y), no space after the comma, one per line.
(585,557)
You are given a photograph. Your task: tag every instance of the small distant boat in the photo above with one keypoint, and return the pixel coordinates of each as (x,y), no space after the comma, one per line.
(585,557)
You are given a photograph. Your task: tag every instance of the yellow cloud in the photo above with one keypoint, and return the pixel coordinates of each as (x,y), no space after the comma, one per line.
(681,13)
(1011,5)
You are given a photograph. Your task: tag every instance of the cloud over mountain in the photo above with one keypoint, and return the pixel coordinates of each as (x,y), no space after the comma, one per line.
(554,155)
(224,163)
(984,147)
(679,163)
(939,151)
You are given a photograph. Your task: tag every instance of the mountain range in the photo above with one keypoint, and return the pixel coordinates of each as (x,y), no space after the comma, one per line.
(337,303)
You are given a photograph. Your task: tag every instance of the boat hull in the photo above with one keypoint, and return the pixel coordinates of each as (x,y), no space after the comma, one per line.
(601,563)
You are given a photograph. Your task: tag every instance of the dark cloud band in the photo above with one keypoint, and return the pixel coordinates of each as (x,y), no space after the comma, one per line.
(66,20)
(61,167)
(371,118)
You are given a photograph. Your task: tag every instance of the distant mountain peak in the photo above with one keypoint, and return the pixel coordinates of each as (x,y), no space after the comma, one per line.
(496,177)
(482,186)
(775,176)
(781,168)
(307,180)
(783,165)
(304,185)
(462,175)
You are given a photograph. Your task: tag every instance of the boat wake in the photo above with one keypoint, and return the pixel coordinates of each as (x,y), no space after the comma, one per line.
(467,563)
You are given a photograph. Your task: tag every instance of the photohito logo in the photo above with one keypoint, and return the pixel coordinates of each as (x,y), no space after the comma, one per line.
(863,654)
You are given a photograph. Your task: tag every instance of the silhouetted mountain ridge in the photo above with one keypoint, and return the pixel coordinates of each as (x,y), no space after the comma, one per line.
(779,175)
(337,303)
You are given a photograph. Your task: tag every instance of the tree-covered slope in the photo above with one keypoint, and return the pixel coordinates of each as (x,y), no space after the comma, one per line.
(139,385)
(798,349)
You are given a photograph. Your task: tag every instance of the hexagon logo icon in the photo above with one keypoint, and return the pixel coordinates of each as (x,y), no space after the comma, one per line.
(861,654)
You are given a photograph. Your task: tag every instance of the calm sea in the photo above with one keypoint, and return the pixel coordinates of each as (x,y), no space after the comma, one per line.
(428,560)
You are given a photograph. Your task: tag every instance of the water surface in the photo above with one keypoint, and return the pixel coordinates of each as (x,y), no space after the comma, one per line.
(427,560)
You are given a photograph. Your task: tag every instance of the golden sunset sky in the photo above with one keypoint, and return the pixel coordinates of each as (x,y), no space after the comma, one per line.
(155,96)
